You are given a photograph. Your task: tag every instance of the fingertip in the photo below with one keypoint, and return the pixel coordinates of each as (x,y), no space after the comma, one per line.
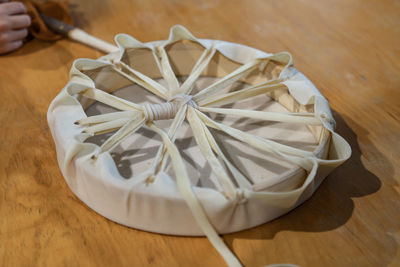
(16,44)
(23,7)
(20,21)
(9,47)
(29,20)
(13,8)
(24,33)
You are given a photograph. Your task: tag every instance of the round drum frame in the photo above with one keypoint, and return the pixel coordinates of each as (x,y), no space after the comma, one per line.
(153,201)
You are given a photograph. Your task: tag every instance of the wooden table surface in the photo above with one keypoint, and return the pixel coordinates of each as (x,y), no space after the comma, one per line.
(349,48)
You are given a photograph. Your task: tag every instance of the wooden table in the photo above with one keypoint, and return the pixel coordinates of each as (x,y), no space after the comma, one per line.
(349,49)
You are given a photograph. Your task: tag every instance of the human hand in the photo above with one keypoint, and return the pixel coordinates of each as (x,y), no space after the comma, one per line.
(13,25)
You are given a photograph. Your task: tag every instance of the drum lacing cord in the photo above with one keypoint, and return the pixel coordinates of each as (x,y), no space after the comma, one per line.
(182,105)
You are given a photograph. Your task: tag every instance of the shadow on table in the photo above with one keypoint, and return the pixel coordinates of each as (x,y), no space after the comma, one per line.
(331,206)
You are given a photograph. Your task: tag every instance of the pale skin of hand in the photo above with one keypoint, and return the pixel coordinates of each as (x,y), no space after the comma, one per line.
(13,25)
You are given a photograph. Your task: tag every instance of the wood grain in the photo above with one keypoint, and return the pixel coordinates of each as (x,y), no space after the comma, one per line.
(349,49)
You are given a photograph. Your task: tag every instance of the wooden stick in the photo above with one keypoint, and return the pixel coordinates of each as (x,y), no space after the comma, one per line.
(83,37)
